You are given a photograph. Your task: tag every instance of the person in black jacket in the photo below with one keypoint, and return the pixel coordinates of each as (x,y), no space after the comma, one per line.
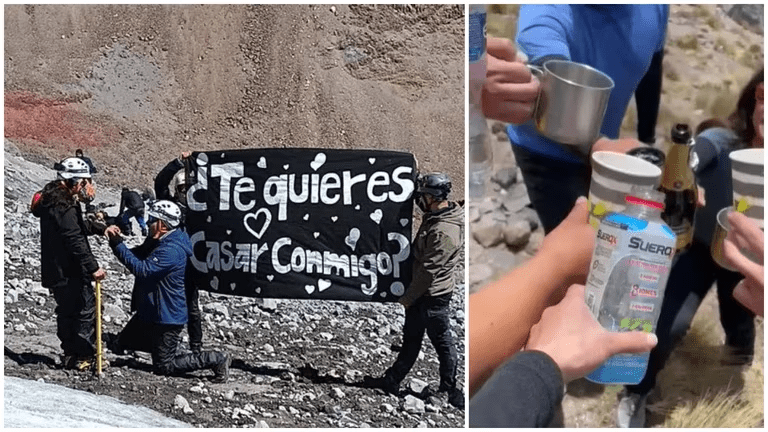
(87,160)
(132,206)
(67,263)
(171,184)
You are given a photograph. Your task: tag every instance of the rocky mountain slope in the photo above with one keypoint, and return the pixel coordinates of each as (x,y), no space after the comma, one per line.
(136,85)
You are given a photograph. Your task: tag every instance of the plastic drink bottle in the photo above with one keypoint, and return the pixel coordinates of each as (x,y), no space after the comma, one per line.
(480,151)
(628,274)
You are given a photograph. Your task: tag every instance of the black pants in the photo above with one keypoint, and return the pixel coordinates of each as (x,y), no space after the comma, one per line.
(75,317)
(163,342)
(194,317)
(552,185)
(692,275)
(430,314)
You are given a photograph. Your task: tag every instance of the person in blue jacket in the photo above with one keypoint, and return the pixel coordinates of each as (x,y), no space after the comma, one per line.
(162,308)
(626,42)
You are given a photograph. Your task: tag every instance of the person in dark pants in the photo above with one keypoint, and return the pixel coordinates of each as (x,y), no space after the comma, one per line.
(162,309)
(436,250)
(132,206)
(87,160)
(695,271)
(67,264)
(171,184)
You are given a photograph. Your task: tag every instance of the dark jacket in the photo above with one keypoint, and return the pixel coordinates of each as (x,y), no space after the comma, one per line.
(164,178)
(131,200)
(160,277)
(88,161)
(523,392)
(436,253)
(65,252)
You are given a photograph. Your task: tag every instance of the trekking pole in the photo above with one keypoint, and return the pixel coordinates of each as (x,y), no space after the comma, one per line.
(99,353)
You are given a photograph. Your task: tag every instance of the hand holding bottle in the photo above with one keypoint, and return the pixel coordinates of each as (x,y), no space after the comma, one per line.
(570,335)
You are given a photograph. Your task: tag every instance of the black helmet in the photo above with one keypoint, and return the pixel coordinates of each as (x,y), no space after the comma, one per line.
(436,184)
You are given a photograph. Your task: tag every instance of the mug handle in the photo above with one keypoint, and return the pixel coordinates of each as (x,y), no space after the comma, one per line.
(538,72)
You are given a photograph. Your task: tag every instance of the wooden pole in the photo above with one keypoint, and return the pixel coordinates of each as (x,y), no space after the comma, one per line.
(99,351)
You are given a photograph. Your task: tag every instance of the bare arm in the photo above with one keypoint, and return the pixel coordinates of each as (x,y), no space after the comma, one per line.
(502,314)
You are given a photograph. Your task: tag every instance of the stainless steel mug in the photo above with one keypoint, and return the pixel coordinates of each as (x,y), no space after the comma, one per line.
(572,101)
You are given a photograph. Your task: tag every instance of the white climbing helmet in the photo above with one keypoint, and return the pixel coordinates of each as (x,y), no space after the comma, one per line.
(72,167)
(167,211)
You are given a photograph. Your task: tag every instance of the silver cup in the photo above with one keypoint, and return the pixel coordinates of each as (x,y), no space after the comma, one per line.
(571,104)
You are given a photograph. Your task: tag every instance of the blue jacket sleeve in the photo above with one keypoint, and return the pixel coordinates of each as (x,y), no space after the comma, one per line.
(523,392)
(157,265)
(542,32)
(710,144)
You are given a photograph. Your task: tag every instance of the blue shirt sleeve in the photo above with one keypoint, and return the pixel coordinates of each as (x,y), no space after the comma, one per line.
(542,31)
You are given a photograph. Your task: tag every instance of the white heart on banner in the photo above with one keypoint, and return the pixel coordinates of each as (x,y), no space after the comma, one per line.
(334,218)
(371,161)
(267,221)
(208,219)
(233,286)
(215,283)
(262,163)
(357,207)
(323,284)
(316,234)
(270,277)
(309,289)
(351,239)
(377,215)
(258,290)
(286,166)
(318,162)
(403,222)
(229,232)
(306,217)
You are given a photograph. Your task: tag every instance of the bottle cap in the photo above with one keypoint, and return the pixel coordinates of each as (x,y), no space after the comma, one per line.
(681,133)
(646,196)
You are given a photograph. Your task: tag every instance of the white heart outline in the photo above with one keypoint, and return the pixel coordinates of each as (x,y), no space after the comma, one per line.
(255,215)
(318,161)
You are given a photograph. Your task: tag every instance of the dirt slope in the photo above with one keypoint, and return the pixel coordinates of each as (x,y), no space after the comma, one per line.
(143,82)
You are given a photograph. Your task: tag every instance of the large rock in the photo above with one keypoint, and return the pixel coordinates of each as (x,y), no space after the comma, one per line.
(487,232)
(517,233)
(751,15)
(413,405)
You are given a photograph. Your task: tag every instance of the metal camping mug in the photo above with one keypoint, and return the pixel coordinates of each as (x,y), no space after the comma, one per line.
(571,103)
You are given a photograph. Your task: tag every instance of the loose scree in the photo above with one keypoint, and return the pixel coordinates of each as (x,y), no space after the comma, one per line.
(302,223)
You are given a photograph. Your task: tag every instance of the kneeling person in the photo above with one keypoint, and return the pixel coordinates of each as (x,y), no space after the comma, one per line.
(162,308)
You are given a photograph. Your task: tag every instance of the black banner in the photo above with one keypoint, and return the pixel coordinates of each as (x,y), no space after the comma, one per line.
(302,223)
